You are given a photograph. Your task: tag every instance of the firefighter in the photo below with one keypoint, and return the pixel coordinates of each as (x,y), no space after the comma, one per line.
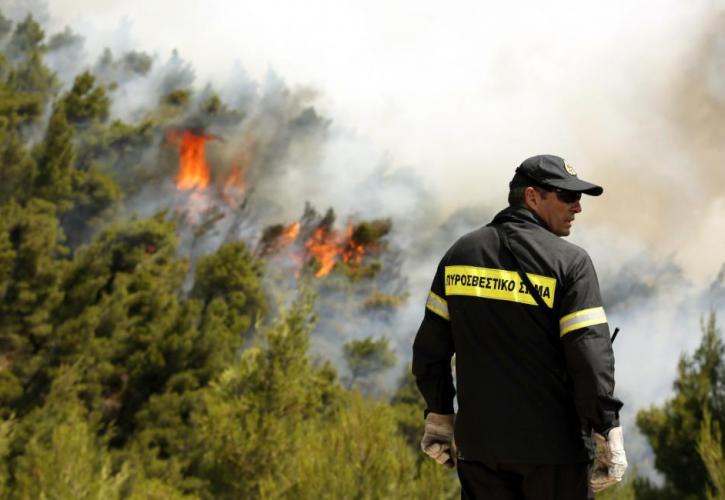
(521,310)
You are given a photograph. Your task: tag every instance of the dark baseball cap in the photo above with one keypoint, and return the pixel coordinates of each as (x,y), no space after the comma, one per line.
(553,172)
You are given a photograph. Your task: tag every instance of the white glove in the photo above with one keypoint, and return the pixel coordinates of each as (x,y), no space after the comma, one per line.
(610,461)
(437,439)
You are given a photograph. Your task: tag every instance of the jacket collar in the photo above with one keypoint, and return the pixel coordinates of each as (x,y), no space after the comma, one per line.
(510,214)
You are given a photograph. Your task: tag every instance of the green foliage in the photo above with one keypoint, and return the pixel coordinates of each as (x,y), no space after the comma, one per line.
(63,39)
(136,62)
(227,283)
(32,76)
(121,317)
(180,98)
(259,415)
(673,430)
(712,452)
(384,301)
(31,267)
(7,429)
(17,168)
(20,106)
(58,452)
(94,199)
(86,102)
(408,405)
(366,358)
(368,232)
(56,155)
(27,37)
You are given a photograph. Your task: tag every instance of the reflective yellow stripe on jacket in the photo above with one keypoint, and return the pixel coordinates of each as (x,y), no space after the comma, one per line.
(581,319)
(497,284)
(438,305)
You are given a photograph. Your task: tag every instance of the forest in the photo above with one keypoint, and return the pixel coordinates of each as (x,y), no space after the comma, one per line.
(156,317)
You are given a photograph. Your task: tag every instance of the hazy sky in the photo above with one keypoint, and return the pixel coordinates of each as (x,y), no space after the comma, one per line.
(463,91)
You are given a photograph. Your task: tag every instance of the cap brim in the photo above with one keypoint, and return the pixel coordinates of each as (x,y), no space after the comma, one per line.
(576,185)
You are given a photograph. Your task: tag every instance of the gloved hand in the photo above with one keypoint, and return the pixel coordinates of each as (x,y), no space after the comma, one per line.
(610,462)
(437,440)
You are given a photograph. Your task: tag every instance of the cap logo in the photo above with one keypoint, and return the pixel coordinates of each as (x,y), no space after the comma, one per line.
(569,169)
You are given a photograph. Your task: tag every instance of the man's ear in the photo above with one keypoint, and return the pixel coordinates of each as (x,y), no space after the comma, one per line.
(530,198)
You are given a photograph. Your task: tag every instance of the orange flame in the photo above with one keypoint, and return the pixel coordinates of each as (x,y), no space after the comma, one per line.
(193,169)
(324,249)
(328,247)
(290,233)
(353,252)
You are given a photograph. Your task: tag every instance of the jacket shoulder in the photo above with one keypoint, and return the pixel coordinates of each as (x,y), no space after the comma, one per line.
(470,241)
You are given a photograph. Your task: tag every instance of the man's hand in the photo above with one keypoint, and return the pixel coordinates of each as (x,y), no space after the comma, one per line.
(610,462)
(437,440)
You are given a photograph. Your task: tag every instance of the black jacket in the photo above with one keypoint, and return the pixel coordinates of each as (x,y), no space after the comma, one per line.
(531,382)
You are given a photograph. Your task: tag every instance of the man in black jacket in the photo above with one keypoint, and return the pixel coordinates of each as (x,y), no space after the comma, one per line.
(521,310)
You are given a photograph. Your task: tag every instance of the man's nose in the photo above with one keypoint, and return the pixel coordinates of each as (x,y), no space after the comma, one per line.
(576,207)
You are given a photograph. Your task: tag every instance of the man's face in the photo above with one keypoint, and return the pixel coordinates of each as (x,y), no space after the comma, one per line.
(558,215)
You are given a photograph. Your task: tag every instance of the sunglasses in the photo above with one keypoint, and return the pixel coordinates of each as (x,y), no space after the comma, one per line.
(563,195)
(567,196)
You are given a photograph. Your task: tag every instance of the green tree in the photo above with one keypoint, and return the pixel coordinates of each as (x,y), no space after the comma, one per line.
(58,451)
(257,419)
(673,429)
(366,358)
(17,167)
(27,37)
(31,268)
(55,163)
(408,405)
(7,429)
(228,285)
(119,316)
(94,199)
(86,102)
(712,452)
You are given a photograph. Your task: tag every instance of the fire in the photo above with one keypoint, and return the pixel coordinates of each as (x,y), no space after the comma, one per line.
(290,233)
(323,247)
(193,169)
(328,247)
(353,252)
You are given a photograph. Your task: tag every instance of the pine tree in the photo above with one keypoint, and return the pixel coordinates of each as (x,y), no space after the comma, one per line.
(31,265)
(258,416)
(17,168)
(673,429)
(119,316)
(712,452)
(58,452)
(55,164)
(27,37)
(86,102)
(366,359)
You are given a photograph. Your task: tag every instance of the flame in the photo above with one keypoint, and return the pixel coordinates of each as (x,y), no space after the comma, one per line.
(290,233)
(353,252)
(323,246)
(193,169)
(328,247)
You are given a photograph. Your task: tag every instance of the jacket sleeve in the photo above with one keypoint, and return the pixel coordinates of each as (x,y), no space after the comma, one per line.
(584,333)
(432,351)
